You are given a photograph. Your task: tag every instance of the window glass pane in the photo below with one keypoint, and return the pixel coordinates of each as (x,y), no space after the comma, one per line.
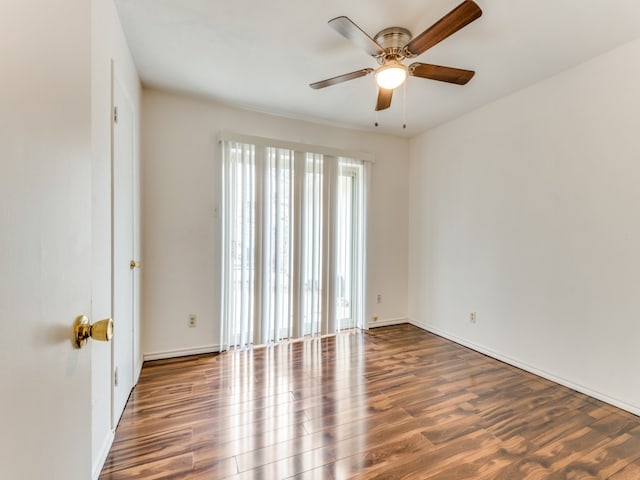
(348,246)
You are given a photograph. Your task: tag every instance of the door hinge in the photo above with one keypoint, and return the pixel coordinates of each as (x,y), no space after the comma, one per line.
(115,114)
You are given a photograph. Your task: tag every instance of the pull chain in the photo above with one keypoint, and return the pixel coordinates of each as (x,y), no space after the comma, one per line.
(404,108)
(404,105)
(376,93)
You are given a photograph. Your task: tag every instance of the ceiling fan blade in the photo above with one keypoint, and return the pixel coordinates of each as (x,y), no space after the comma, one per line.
(459,17)
(384,99)
(345,27)
(341,78)
(458,76)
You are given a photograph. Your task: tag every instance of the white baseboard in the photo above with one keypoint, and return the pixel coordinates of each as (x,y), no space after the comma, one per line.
(529,368)
(102,456)
(181,352)
(385,322)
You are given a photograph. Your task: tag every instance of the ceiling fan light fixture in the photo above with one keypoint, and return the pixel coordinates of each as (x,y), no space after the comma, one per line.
(391,75)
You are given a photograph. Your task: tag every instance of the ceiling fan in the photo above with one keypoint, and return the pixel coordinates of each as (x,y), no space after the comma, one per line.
(391,46)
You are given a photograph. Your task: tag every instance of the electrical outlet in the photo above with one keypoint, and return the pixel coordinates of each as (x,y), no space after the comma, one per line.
(472,317)
(379,298)
(193,320)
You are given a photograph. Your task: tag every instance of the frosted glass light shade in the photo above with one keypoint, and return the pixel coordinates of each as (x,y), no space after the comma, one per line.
(391,75)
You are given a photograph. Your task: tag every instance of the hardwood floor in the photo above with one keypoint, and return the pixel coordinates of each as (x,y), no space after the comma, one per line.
(393,403)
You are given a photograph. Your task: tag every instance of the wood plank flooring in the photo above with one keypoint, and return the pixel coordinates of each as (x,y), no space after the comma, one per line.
(392,403)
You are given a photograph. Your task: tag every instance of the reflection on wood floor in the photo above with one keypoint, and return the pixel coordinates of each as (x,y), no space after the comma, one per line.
(392,403)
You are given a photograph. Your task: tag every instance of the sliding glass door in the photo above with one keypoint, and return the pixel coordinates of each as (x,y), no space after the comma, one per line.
(293,244)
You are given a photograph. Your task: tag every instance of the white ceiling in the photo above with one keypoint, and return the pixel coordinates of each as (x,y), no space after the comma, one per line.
(262,55)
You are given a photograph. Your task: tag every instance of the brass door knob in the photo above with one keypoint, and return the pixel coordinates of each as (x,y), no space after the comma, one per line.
(101,330)
(133,264)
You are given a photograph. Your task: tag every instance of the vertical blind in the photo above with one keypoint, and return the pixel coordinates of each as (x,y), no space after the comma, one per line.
(293,243)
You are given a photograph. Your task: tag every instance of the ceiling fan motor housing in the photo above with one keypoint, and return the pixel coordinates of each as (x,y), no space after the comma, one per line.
(393,40)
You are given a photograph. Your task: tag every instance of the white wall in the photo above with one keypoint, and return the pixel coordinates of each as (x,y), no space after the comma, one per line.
(181,235)
(108,43)
(527,211)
